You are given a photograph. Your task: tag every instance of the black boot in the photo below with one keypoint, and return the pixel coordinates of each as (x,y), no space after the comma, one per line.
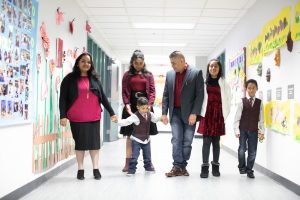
(97,174)
(204,171)
(215,169)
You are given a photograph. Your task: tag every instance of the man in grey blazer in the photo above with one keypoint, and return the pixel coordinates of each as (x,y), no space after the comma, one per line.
(182,97)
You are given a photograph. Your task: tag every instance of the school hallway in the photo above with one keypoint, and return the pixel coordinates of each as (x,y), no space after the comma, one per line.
(114,184)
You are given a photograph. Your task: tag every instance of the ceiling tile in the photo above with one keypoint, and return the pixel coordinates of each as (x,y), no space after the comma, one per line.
(103,3)
(109,18)
(107,11)
(191,12)
(145,11)
(230,4)
(220,13)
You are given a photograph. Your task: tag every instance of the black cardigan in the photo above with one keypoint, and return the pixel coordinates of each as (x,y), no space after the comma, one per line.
(69,93)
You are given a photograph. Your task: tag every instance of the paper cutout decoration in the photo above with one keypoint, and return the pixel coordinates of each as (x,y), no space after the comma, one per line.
(52,66)
(71,26)
(88,27)
(83,50)
(268,75)
(277,58)
(57,83)
(75,52)
(59,16)
(259,69)
(38,62)
(289,42)
(45,39)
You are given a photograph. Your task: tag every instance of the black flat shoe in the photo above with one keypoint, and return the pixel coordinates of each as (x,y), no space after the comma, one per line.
(80,174)
(97,174)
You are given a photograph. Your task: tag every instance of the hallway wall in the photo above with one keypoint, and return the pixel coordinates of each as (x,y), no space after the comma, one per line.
(276,151)
(16,144)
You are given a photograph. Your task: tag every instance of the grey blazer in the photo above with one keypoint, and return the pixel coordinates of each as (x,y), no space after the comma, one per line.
(192,93)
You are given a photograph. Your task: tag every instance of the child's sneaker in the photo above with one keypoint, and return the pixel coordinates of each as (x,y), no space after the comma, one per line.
(129,173)
(150,169)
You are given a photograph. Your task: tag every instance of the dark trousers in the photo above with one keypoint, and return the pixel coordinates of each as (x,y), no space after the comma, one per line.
(247,139)
(136,147)
(207,141)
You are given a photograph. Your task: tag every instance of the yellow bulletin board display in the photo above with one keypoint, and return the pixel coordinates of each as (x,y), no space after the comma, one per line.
(255,50)
(296,22)
(297,121)
(276,31)
(277,116)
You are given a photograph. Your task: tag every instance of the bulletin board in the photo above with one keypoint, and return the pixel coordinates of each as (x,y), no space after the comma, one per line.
(18,30)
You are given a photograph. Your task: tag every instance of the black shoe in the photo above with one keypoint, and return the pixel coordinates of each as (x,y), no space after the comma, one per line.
(80,174)
(242,171)
(97,174)
(250,174)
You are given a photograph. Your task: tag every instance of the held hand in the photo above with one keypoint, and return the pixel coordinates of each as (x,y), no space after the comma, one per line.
(164,119)
(237,135)
(63,121)
(114,118)
(192,119)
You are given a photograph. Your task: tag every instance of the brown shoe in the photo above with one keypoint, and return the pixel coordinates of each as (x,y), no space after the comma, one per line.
(185,172)
(175,171)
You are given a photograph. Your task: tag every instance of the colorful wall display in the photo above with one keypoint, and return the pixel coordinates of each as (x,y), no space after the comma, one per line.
(296,22)
(275,32)
(255,50)
(18,30)
(296,123)
(277,116)
(236,75)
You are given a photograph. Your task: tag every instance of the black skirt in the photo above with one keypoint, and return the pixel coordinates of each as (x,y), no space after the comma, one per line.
(86,135)
(127,130)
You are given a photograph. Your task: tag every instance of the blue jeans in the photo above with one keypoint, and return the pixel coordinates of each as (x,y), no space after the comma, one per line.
(136,147)
(247,139)
(182,138)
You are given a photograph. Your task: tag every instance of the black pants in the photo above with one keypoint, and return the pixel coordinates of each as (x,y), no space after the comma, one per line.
(207,140)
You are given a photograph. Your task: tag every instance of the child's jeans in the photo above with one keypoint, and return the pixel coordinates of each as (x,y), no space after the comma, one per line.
(136,147)
(248,140)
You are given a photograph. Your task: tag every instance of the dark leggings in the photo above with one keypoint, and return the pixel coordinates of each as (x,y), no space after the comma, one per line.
(207,140)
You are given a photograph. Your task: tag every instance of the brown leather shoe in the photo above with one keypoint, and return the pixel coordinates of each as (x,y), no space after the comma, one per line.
(175,171)
(185,172)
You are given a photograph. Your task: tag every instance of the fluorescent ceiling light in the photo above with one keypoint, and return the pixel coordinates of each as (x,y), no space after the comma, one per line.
(161,44)
(163,25)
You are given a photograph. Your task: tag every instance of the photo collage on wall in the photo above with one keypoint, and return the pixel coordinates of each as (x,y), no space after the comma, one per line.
(17,39)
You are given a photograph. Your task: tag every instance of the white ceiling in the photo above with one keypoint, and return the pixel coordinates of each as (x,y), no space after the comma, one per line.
(114,20)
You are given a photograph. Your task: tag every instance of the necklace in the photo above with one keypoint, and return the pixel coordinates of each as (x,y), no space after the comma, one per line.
(87,88)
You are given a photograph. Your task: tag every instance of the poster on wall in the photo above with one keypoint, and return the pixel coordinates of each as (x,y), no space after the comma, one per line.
(236,75)
(277,116)
(17,59)
(297,121)
(255,51)
(296,23)
(276,31)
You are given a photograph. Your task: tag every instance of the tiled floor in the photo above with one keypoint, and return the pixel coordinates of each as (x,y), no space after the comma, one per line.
(115,185)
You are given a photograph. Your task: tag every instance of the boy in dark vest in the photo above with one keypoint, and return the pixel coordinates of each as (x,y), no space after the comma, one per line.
(140,137)
(248,121)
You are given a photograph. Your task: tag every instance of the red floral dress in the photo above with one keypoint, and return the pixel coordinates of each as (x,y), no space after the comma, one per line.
(213,122)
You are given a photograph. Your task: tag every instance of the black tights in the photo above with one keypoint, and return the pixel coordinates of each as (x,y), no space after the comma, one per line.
(207,140)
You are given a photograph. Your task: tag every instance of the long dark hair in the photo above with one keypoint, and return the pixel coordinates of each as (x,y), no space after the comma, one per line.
(137,54)
(220,74)
(91,73)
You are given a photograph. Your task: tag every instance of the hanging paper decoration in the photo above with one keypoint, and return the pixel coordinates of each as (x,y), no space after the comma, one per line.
(45,39)
(59,16)
(75,52)
(268,75)
(259,69)
(38,62)
(83,50)
(289,42)
(52,66)
(88,27)
(71,26)
(59,52)
(277,58)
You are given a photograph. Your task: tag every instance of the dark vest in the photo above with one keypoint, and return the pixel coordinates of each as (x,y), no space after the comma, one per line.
(250,115)
(141,131)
